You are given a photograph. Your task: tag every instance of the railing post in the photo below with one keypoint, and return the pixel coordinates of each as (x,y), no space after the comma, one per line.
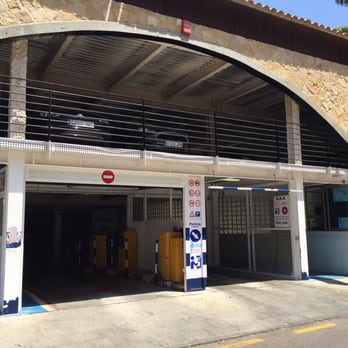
(49,112)
(155,277)
(78,249)
(277,141)
(94,252)
(126,258)
(328,151)
(111,250)
(144,128)
(215,136)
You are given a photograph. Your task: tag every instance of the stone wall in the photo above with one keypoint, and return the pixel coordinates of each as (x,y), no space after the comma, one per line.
(323,84)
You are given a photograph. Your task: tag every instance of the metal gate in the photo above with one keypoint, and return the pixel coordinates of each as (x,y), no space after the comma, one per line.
(248,238)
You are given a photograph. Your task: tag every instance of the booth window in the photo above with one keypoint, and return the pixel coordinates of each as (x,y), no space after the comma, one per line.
(327,208)
(138,209)
(338,207)
(160,209)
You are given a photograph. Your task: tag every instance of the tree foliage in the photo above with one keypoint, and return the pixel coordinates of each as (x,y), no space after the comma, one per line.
(342,2)
(343,29)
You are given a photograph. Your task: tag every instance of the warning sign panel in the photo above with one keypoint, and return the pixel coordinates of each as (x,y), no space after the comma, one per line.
(195,267)
(281,211)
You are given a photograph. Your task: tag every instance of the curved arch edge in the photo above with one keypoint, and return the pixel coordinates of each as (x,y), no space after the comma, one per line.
(26,30)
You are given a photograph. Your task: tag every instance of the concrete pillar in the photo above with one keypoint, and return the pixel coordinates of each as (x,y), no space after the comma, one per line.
(12,243)
(293,131)
(216,230)
(17,90)
(213,233)
(58,218)
(298,229)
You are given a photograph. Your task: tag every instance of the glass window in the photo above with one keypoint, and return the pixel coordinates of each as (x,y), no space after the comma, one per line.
(338,207)
(2,181)
(138,209)
(327,208)
(158,209)
(315,209)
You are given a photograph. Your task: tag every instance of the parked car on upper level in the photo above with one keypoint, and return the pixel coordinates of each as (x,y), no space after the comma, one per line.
(71,128)
(169,141)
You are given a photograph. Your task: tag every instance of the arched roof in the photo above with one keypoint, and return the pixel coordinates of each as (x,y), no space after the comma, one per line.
(210,71)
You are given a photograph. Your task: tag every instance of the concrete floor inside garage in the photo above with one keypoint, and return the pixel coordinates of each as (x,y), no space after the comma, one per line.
(59,272)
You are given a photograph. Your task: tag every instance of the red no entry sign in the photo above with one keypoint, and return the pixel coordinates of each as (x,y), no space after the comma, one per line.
(285,210)
(108,176)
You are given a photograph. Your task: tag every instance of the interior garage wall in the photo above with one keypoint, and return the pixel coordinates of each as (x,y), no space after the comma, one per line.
(152,212)
(273,252)
(327,252)
(147,234)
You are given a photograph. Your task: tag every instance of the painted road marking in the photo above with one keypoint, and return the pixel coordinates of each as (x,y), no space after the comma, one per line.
(314,328)
(244,343)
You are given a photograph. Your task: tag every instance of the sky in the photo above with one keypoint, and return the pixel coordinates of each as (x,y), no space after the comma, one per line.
(325,12)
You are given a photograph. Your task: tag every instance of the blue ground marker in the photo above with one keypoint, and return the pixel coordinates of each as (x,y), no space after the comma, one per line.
(30,305)
(327,277)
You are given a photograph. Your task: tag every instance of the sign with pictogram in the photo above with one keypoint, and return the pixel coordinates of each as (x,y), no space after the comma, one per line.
(195,235)
(108,176)
(195,265)
(281,211)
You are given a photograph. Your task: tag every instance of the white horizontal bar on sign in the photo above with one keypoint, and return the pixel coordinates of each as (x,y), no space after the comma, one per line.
(269,229)
(262,189)
(203,273)
(215,187)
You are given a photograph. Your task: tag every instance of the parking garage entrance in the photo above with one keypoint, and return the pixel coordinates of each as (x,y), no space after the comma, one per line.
(76,241)
(87,241)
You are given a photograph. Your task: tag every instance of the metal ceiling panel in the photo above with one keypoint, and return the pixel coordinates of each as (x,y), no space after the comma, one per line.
(135,67)
(167,68)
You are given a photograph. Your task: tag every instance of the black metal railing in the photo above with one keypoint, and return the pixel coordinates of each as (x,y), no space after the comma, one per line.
(323,148)
(63,114)
(251,138)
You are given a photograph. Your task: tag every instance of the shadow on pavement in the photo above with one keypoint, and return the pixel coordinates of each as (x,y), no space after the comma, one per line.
(331,279)
(57,287)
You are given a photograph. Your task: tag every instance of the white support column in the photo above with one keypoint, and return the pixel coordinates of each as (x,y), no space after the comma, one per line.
(298,229)
(293,131)
(13,225)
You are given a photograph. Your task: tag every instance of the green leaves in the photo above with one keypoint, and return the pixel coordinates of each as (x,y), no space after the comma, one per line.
(342,2)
